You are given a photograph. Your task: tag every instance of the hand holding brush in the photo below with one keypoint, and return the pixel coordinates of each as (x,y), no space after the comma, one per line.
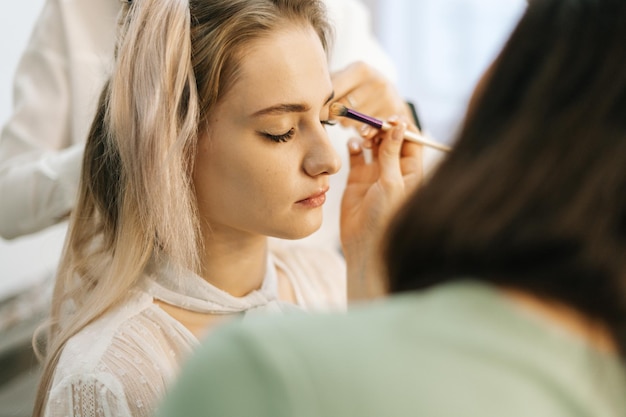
(338,109)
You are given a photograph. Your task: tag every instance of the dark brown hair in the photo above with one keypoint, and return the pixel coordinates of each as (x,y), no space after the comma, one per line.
(533,196)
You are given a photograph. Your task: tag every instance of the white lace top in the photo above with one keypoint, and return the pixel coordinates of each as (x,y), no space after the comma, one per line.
(121,364)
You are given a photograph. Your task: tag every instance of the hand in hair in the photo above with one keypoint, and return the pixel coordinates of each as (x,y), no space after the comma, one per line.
(373,192)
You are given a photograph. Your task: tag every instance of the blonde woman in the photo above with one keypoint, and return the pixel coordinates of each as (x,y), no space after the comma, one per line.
(508,265)
(209,137)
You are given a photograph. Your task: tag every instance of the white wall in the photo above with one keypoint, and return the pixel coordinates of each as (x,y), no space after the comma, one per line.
(441,48)
(26,260)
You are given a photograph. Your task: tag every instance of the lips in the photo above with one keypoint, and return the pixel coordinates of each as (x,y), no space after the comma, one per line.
(314,200)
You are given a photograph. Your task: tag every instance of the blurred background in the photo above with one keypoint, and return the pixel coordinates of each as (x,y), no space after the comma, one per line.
(440,49)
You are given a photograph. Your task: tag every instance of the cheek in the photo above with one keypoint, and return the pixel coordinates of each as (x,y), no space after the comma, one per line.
(209,174)
(261,178)
(237,178)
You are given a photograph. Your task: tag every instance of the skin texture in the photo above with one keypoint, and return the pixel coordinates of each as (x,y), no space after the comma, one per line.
(249,186)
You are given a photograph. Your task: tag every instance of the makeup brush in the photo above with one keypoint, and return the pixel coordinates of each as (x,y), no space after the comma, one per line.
(338,109)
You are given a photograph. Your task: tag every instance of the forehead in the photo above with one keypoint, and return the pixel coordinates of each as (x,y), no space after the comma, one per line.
(289,65)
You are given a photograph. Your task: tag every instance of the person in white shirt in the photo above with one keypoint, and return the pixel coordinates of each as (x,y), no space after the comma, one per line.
(209,137)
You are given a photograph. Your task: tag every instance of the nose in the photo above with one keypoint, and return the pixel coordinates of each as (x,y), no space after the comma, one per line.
(321,156)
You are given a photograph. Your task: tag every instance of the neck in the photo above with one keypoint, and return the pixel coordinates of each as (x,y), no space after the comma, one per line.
(594,333)
(233,262)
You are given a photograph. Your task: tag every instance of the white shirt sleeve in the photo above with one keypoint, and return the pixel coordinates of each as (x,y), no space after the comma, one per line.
(29,177)
(88,395)
(55,92)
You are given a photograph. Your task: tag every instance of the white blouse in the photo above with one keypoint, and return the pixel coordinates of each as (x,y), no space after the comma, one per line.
(121,364)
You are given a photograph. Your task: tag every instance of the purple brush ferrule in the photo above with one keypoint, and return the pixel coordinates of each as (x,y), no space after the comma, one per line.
(372,121)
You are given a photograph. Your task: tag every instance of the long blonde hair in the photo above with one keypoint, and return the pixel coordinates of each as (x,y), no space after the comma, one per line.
(175,59)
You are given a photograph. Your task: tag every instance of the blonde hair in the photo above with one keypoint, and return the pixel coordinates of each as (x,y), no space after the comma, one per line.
(175,59)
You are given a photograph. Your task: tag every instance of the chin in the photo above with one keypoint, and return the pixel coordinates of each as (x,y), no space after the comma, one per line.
(299,232)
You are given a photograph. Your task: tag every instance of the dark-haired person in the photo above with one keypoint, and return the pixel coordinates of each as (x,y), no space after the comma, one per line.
(511,262)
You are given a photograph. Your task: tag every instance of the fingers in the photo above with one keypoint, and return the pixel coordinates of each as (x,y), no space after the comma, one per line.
(346,80)
(372,136)
(389,156)
(396,161)
(355,151)
(410,153)
(360,87)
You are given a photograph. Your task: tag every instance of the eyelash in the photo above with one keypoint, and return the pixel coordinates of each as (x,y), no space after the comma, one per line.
(288,135)
(281,138)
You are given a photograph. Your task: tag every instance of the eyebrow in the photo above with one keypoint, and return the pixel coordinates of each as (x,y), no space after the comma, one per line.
(289,107)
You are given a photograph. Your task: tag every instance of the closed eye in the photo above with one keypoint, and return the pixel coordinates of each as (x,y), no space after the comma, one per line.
(284,137)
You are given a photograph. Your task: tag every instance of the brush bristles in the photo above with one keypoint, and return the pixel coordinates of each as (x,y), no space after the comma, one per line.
(338,109)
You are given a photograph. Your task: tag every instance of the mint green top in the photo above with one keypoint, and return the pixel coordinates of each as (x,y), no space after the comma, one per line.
(460,349)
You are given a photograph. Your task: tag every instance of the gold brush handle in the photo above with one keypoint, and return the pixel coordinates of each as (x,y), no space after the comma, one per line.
(421,139)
